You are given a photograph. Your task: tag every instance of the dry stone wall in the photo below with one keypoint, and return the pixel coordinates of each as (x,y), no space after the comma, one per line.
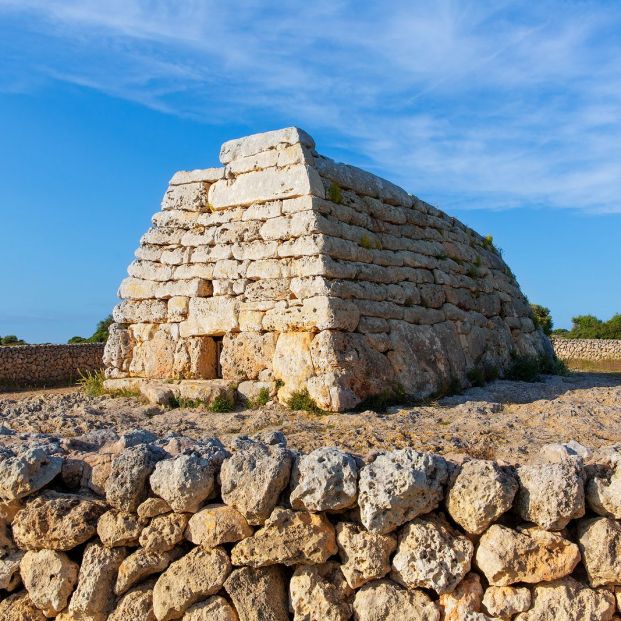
(47,365)
(143,529)
(285,266)
(587,349)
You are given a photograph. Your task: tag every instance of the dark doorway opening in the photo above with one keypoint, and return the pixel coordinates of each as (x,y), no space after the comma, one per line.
(218,342)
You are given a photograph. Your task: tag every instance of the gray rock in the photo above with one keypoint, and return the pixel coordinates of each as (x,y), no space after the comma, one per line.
(127,484)
(398,487)
(551,494)
(324,480)
(26,472)
(253,479)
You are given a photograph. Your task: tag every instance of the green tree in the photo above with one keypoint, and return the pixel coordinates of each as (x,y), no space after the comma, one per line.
(590,327)
(99,336)
(542,318)
(11,339)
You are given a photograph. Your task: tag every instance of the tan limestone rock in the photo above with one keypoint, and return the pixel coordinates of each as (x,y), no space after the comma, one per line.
(139,565)
(528,554)
(599,540)
(292,363)
(506,601)
(19,607)
(164,532)
(432,555)
(193,577)
(117,529)
(381,600)
(10,577)
(136,604)
(463,601)
(49,578)
(288,537)
(258,593)
(246,354)
(215,608)
(365,555)
(217,524)
(152,507)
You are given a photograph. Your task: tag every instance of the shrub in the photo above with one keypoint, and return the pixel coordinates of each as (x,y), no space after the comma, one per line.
(590,327)
(261,399)
(542,318)
(524,369)
(92,383)
(185,403)
(365,242)
(301,400)
(11,340)
(222,403)
(335,194)
(99,336)
(476,377)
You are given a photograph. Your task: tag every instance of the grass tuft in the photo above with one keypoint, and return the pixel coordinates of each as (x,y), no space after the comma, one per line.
(92,383)
(335,194)
(261,399)
(301,400)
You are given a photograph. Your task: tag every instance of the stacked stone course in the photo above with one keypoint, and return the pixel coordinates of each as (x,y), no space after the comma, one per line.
(287,266)
(594,350)
(145,529)
(48,365)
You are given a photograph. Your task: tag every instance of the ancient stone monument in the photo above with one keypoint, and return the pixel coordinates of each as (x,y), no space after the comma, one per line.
(287,270)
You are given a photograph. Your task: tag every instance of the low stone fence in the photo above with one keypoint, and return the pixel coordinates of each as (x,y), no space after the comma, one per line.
(587,349)
(47,365)
(136,527)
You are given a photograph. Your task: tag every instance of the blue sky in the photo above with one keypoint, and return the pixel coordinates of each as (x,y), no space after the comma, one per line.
(505,114)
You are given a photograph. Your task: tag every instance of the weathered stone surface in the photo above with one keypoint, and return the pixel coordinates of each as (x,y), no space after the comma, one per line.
(568,600)
(603,490)
(127,484)
(320,592)
(246,354)
(529,554)
(139,565)
(259,594)
(193,577)
(215,608)
(10,577)
(464,602)
(247,146)
(506,601)
(19,607)
(185,481)
(152,507)
(599,540)
(96,580)
(365,556)
(288,537)
(137,604)
(399,486)
(217,524)
(292,363)
(49,578)
(550,494)
(56,522)
(116,529)
(432,555)
(210,317)
(480,493)
(253,479)
(26,472)
(382,599)
(164,532)
(324,480)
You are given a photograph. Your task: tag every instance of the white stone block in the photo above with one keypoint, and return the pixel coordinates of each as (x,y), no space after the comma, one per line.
(251,145)
(210,317)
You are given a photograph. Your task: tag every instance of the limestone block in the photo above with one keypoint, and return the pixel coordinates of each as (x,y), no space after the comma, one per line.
(568,600)
(506,601)
(551,494)
(480,493)
(210,317)
(19,607)
(263,211)
(217,524)
(600,544)
(149,270)
(140,311)
(137,289)
(164,532)
(253,478)
(141,564)
(383,599)
(603,490)
(175,255)
(325,479)
(251,320)
(431,555)
(315,314)
(188,196)
(464,602)
(10,577)
(195,358)
(195,576)
(320,592)
(215,608)
(288,538)
(246,354)
(177,308)
(96,580)
(117,529)
(253,251)
(201,175)
(265,185)
(291,362)
(287,227)
(137,604)
(154,357)
(251,390)
(26,471)
(152,507)
(365,556)
(256,143)
(528,554)
(49,578)
(118,350)
(399,486)
(259,594)
(56,522)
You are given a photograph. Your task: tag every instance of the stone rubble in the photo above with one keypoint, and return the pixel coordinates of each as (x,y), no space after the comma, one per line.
(381,548)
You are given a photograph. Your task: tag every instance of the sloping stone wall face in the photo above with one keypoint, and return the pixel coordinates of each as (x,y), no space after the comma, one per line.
(317,274)
(48,365)
(587,349)
(140,528)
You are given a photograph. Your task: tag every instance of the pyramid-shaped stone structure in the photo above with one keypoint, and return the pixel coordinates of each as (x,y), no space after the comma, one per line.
(288,271)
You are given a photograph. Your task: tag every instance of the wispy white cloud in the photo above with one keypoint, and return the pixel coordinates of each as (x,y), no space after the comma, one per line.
(470,103)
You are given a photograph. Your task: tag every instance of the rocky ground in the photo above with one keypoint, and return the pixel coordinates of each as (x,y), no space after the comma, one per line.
(505,420)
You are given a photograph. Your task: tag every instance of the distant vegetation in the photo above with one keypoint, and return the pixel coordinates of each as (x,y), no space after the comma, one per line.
(11,339)
(590,327)
(99,336)
(542,318)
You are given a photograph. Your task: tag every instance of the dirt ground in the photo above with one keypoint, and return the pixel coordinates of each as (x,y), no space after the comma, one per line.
(505,420)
